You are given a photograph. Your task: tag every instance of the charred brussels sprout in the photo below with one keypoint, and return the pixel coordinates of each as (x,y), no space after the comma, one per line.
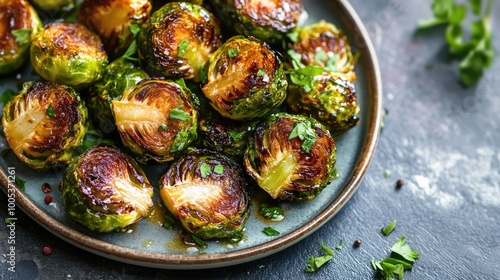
(323,44)
(291,157)
(156,119)
(332,101)
(223,135)
(105,190)
(207,193)
(68,53)
(245,79)
(119,76)
(178,40)
(19,23)
(267,20)
(54,5)
(112,20)
(44,124)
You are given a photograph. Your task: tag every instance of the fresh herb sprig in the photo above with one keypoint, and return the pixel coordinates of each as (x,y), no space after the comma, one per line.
(476,53)
(314,263)
(401,259)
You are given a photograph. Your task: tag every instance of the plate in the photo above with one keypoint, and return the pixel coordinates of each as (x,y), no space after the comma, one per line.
(149,244)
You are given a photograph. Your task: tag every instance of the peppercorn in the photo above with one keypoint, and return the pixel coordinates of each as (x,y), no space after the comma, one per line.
(46,188)
(399,183)
(357,243)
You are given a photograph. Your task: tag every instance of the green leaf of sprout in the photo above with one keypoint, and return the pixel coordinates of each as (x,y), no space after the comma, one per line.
(270,231)
(169,221)
(293,36)
(236,135)
(50,111)
(22,36)
(219,169)
(232,53)
(198,241)
(7,95)
(182,48)
(179,114)
(134,29)
(320,56)
(389,228)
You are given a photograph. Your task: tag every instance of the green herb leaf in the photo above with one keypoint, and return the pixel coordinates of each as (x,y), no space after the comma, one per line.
(404,250)
(169,221)
(163,127)
(134,29)
(203,74)
(306,133)
(219,169)
(232,53)
(20,183)
(205,170)
(7,95)
(180,142)
(50,111)
(198,241)
(179,114)
(236,135)
(339,246)
(182,48)
(270,231)
(387,173)
(271,212)
(327,250)
(314,263)
(131,51)
(22,36)
(389,228)
(293,36)
(401,259)
(261,73)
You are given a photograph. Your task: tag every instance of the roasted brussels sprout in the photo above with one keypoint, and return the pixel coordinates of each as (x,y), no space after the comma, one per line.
(223,135)
(178,40)
(54,5)
(68,53)
(291,157)
(267,20)
(44,124)
(206,191)
(332,101)
(245,79)
(105,190)
(119,76)
(19,23)
(112,20)
(323,44)
(156,119)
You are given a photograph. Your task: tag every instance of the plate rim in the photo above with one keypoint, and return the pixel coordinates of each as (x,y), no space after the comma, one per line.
(175,261)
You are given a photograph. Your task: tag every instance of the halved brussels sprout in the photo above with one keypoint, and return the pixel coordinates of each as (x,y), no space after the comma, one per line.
(156,119)
(291,157)
(245,79)
(44,124)
(119,76)
(332,102)
(178,40)
(323,44)
(268,20)
(206,191)
(105,190)
(112,20)
(19,23)
(54,5)
(224,135)
(68,53)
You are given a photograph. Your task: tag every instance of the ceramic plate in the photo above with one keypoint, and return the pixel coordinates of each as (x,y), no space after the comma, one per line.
(149,244)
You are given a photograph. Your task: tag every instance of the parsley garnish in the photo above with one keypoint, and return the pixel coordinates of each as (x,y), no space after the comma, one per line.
(232,53)
(270,231)
(387,173)
(205,170)
(261,73)
(163,127)
(219,169)
(300,75)
(236,135)
(203,74)
(477,53)
(293,36)
(274,213)
(7,95)
(320,56)
(50,111)
(132,48)
(306,133)
(23,36)
(20,183)
(182,48)
(198,241)
(314,263)
(179,114)
(169,221)
(339,246)
(389,228)
(402,258)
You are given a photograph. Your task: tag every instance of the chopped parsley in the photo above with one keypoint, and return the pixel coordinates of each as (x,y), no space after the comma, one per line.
(320,56)
(232,53)
(50,111)
(20,183)
(387,173)
(205,170)
(163,127)
(389,228)
(274,213)
(314,263)
(331,63)
(132,48)
(179,114)
(198,241)
(23,36)
(270,231)
(219,169)
(401,259)
(306,133)
(182,48)
(293,36)
(169,221)
(203,74)
(236,135)
(261,73)
(339,246)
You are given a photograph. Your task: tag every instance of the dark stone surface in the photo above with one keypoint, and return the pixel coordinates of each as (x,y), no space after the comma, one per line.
(440,138)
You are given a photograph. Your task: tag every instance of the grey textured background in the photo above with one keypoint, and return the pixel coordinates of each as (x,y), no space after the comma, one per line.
(440,138)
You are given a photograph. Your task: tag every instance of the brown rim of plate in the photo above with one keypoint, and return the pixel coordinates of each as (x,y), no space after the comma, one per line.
(172,261)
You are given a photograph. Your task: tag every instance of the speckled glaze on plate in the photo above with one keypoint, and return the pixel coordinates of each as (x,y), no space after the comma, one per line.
(151,245)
